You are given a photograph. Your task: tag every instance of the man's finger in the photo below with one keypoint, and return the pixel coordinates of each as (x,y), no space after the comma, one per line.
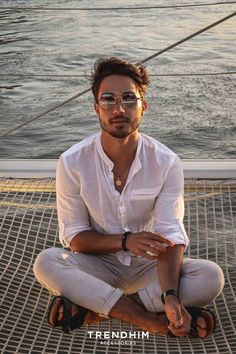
(151,258)
(155,246)
(162,239)
(179,319)
(178,332)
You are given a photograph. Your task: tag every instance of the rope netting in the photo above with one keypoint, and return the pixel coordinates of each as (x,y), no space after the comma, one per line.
(28,224)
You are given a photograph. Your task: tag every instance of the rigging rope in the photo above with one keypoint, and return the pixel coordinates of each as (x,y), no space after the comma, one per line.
(186,38)
(138,63)
(45,8)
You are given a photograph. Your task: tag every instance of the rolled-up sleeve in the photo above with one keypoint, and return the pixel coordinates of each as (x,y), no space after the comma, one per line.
(169,206)
(72,212)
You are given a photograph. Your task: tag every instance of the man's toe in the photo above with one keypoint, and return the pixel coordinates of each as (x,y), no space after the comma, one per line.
(205,324)
(60,313)
(54,311)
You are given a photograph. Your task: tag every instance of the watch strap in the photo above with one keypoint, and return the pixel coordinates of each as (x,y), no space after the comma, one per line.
(124,239)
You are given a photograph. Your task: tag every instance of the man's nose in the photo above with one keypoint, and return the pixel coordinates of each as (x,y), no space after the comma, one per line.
(119,107)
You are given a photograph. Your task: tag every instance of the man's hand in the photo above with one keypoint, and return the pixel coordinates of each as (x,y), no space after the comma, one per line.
(180,319)
(147,244)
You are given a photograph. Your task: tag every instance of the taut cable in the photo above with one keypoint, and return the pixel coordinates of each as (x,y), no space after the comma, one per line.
(120,8)
(138,63)
(186,38)
(44,113)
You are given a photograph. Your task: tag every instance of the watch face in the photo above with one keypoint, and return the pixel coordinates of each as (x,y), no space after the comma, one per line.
(169,292)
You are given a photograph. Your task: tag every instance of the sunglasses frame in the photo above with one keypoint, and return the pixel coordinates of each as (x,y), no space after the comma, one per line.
(107,106)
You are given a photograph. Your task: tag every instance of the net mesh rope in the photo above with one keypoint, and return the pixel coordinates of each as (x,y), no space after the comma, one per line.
(29,224)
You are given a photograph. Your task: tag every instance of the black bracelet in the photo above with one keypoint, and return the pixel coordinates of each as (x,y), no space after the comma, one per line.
(124,239)
(169,292)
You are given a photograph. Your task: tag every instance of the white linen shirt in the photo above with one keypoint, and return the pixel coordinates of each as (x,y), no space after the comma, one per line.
(151,200)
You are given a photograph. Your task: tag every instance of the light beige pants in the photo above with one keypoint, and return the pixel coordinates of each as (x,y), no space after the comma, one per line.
(97,282)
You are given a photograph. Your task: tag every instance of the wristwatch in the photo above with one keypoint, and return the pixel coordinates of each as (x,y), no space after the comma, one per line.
(124,239)
(169,292)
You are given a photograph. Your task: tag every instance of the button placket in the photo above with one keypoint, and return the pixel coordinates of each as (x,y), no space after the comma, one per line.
(123,211)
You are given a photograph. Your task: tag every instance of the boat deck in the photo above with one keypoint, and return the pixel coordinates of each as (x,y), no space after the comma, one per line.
(28,224)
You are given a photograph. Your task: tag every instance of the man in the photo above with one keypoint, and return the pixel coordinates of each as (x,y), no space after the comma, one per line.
(120,212)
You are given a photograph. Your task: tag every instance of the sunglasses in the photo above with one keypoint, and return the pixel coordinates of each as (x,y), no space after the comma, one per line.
(108,100)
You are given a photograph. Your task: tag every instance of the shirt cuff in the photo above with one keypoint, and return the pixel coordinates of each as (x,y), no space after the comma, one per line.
(66,234)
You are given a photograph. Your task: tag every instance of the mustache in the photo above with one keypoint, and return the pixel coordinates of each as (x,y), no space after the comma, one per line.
(119,118)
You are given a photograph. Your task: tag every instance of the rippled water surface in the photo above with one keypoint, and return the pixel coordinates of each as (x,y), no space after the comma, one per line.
(44,54)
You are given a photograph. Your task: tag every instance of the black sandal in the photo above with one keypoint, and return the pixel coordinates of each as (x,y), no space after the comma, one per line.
(196,312)
(208,316)
(68,322)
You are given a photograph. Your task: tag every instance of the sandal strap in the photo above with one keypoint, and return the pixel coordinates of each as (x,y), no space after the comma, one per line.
(66,319)
(56,322)
(68,322)
(78,320)
(195,312)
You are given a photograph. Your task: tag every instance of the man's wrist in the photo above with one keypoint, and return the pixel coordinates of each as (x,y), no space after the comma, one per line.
(169,292)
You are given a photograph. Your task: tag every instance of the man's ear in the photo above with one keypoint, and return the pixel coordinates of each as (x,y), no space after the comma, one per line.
(144,106)
(96,108)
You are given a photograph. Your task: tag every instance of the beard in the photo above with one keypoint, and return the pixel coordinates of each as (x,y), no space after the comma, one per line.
(119,126)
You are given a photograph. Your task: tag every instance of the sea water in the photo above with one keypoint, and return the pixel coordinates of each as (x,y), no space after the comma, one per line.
(46,53)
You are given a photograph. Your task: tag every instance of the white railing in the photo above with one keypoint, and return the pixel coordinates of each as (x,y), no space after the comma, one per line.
(193,168)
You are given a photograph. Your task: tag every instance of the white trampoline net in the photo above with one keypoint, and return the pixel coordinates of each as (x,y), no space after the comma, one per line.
(28,224)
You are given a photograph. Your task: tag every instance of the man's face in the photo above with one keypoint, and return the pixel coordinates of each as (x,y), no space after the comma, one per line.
(121,120)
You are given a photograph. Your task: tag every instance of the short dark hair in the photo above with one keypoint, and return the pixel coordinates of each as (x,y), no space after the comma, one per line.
(106,66)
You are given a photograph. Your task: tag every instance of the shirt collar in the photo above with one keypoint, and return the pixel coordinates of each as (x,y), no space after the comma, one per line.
(102,154)
(137,162)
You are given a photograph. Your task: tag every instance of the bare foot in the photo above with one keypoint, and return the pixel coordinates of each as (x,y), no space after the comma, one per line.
(126,309)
